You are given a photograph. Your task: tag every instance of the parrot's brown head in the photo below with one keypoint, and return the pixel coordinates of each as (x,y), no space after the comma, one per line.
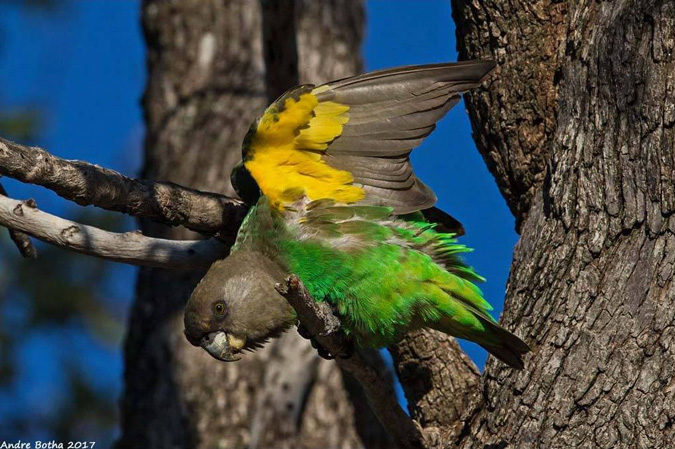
(236,306)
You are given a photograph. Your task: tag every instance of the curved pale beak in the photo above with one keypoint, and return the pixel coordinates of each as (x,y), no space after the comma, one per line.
(223,346)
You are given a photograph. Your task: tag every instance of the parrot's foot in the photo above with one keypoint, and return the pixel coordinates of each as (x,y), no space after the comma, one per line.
(304,332)
(346,349)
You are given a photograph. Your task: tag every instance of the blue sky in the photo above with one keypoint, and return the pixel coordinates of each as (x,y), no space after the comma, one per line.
(83,65)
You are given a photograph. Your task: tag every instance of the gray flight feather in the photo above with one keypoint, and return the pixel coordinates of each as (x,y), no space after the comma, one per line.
(391,112)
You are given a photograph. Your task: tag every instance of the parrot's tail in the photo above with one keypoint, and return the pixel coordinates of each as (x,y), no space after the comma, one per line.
(495,339)
(508,348)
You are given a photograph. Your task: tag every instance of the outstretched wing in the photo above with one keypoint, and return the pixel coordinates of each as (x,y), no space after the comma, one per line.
(350,140)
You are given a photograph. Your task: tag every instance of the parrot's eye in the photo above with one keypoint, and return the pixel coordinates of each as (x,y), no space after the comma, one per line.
(219,309)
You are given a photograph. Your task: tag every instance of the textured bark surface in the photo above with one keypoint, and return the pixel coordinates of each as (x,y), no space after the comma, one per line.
(439,381)
(206,84)
(517,108)
(578,128)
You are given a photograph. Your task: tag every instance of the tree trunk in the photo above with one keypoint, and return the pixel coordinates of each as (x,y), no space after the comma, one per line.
(577,126)
(206,84)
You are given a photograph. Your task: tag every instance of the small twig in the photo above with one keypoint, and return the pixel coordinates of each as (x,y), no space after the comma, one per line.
(320,321)
(88,184)
(20,239)
(130,247)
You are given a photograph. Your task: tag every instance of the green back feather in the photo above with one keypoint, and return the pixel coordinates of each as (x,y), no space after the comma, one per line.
(384,275)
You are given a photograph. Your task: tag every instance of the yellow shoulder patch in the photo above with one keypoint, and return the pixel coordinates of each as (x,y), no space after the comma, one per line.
(284,153)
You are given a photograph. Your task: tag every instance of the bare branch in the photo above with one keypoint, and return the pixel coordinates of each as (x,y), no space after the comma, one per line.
(131,247)
(320,321)
(20,239)
(88,184)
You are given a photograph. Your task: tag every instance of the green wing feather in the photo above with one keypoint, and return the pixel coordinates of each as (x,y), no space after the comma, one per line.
(384,274)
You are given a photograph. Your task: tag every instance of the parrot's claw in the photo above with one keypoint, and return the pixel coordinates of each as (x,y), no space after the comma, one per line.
(304,333)
(347,349)
(324,353)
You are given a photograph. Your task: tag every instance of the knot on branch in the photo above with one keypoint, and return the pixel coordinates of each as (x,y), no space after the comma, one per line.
(70,232)
(18,210)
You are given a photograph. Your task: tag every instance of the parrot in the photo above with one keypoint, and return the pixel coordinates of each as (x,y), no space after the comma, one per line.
(335,201)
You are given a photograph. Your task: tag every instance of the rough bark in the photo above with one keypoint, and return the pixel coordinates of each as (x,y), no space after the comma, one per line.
(577,127)
(206,84)
(517,107)
(439,380)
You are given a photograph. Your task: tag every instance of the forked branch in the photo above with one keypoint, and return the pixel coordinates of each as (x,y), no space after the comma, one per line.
(20,239)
